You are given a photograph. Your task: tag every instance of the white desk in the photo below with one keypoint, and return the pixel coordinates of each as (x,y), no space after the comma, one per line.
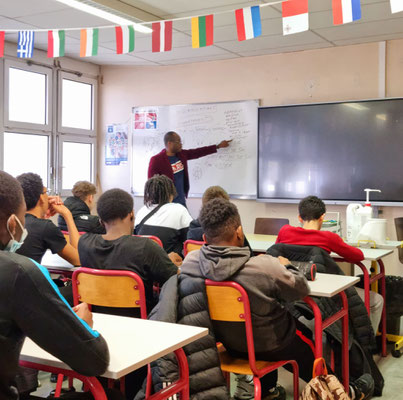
(370,254)
(55,263)
(260,243)
(327,285)
(132,343)
(389,244)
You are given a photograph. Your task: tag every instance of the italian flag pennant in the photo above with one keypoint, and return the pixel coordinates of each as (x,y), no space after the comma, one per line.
(89,42)
(56,40)
(2,33)
(202,31)
(162,36)
(295,16)
(396,6)
(124,39)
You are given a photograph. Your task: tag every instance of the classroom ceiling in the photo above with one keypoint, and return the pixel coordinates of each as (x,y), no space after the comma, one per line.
(377,24)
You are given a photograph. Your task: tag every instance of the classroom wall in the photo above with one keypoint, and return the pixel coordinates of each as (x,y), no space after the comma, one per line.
(364,71)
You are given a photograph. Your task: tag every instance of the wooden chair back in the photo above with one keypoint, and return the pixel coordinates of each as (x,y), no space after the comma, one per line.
(109,288)
(191,245)
(269,226)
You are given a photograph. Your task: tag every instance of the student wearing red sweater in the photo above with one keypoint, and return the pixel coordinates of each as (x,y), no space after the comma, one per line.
(311,214)
(173,163)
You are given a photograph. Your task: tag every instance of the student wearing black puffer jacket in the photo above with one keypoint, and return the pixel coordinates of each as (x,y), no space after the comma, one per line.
(80,205)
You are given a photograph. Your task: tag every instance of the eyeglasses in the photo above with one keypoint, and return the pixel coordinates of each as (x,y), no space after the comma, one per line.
(47,191)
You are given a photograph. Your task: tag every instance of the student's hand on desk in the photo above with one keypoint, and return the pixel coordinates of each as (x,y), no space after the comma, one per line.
(175,258)
(224,143)
(84,313)
(284,261)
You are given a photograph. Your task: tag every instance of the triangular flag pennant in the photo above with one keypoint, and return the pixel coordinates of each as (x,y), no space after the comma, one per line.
(202,31)
(25,47)
(295,16)
(248,23)
(162,36)
(56,40)
(396,6)
(89,42)
(124,39)
(2,34)
(345,11)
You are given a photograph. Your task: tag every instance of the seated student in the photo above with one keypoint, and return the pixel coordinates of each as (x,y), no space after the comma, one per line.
(269,282)
(80,205)
(29,302)
(195,231)
(162,218)
(43,234)
(311,214)
(119,249)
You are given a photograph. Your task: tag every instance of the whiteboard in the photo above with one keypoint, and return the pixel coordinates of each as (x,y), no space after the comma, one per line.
(233,168)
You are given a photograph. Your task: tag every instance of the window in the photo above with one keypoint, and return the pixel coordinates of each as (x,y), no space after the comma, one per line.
(26,153)
(27,96)
(77,159)
(76,105)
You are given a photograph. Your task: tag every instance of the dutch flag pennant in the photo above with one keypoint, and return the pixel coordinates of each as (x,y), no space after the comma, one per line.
(2,34)
(396,6)
(56,40)
(345,11)
(162,36)
(124,39)
(25,47)
(248,23)
(295,16)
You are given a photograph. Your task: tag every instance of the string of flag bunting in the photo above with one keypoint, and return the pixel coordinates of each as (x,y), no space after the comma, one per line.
(247,20)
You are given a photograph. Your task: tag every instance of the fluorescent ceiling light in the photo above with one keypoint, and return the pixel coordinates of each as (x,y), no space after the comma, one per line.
(105,15)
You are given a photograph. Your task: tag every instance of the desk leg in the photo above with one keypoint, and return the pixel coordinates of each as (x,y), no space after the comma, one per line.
(383,294)
(320,325)
(90,382)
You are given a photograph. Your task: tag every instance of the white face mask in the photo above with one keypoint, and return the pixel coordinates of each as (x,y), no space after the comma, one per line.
(13,245)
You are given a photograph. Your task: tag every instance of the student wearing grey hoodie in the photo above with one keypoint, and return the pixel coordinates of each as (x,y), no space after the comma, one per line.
(270,283)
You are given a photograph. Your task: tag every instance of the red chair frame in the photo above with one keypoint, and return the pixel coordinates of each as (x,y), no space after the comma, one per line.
(154,238)
(257,373)
(189,241)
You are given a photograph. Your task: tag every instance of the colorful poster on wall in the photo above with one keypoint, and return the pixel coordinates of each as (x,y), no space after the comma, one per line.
(145,120)
(116,144)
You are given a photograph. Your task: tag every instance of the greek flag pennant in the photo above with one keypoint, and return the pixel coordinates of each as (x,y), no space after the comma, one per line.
(25,44)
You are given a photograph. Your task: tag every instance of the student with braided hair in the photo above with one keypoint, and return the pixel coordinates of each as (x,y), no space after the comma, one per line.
(161,217)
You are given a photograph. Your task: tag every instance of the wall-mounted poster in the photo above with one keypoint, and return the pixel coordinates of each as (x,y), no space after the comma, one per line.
(145,120)
(116,144)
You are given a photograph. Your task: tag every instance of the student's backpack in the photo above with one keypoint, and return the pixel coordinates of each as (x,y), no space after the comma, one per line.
(323,387)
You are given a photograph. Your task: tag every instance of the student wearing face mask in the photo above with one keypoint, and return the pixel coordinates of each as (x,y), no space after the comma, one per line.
(43,234)
(29,302)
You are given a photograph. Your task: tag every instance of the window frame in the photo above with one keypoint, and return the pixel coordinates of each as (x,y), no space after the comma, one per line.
(75,139)
(77,78)
(13,126)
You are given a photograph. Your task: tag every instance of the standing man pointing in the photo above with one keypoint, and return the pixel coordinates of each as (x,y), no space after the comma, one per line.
(172,162)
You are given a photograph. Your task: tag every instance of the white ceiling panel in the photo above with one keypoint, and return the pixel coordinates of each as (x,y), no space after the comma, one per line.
(18,8)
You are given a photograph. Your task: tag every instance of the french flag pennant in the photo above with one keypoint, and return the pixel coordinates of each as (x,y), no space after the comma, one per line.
(248,23)
(162,36)
(345,11)
(396,6)
(295,16)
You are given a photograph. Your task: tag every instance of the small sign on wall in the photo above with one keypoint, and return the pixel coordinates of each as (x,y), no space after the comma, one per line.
(116,144)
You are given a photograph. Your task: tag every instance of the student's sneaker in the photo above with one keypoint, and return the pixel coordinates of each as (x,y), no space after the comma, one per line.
(362,388)
(245,390)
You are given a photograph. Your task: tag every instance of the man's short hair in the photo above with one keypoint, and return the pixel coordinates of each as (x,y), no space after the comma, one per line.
(311,208)
(158,190)
(214,192)
(83,189)
(114,204)
(11,196)
(219,219)
(32,186)
(169,137)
